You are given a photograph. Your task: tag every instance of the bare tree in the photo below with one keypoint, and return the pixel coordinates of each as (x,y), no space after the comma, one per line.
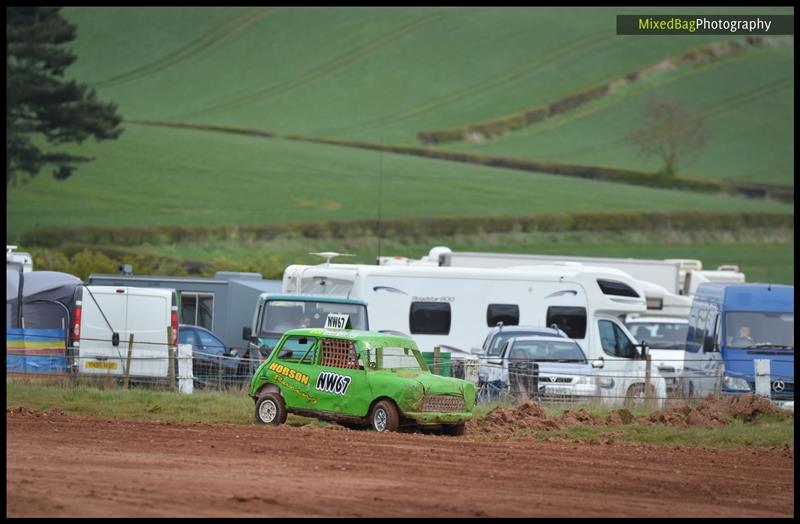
(672,132)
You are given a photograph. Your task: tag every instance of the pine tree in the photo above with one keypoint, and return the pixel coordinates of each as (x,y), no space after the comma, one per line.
(40,103)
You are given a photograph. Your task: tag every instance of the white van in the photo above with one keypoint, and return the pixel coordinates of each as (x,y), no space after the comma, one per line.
(454,308)
(105,316)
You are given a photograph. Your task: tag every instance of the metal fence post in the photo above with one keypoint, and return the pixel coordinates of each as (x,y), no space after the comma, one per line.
(436,353)
(720,375)
(170,362)
(128,362)
(648,398)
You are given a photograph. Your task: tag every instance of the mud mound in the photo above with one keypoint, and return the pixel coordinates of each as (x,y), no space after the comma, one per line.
(710,413)
(528,415)
(713,412)
(573,418)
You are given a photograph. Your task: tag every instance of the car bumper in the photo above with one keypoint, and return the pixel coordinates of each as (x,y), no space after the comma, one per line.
(431,418)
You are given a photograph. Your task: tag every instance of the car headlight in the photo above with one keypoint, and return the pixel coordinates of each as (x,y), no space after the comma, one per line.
(587,379)
(735,383)
(606,382)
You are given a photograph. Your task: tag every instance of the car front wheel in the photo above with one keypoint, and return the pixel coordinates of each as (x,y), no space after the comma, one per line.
(384,416)
(270,409)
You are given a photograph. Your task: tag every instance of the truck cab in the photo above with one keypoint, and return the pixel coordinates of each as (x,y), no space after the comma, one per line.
(277,313)
(730,327)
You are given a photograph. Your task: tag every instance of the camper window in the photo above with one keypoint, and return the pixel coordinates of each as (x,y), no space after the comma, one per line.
(429,318)
(612,287)
(508,314)
(571,320)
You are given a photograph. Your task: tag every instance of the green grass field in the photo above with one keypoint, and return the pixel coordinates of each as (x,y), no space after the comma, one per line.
(757,108)
(154,175)
(383,75)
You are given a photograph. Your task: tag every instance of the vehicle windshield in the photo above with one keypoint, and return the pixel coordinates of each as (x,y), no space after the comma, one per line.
(282,315)
(541,350)
(501,338)
(752,330)
(400,358)
(660,335)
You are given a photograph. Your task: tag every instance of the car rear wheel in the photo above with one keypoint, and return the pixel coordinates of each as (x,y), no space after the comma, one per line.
(384,416)
(270,409)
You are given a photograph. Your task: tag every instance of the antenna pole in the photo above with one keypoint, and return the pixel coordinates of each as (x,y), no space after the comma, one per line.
(380,207)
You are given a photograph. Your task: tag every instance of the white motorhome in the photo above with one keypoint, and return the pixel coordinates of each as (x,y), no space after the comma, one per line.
(454,308)
(659,278)
(104,317)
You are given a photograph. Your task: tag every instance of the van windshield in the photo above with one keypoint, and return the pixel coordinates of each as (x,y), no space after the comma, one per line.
(282,315)
(753,330)
(660,335)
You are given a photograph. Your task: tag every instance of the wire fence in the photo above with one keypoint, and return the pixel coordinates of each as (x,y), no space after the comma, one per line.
(160,365)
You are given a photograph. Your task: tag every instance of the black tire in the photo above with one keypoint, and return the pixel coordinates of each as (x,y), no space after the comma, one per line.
(270,409)
(454,430)
(384,416)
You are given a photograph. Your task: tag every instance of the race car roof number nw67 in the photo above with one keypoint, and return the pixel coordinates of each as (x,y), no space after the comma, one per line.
(337,321)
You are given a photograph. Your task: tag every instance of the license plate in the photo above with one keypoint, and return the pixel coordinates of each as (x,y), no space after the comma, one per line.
(557,390)
(96,364)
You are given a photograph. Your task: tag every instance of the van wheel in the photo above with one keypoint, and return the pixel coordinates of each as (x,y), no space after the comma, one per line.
(270,409)
(384,416)
(455,430)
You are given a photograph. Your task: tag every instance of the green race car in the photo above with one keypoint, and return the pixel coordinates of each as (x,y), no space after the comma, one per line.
(358,379)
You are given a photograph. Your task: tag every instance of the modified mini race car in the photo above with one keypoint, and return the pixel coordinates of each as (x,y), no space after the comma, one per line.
(358,379)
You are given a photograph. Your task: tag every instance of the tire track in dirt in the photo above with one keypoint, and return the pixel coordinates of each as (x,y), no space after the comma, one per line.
(110,467)
(229,28)
(318,72)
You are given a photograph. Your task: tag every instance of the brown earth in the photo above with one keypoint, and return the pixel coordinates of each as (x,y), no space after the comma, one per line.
(66,465)
(710,412)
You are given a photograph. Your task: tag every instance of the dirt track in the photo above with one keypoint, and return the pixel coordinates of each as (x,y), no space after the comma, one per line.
(63,465)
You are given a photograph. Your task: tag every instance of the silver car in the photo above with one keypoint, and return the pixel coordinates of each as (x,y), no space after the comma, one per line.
(561,371)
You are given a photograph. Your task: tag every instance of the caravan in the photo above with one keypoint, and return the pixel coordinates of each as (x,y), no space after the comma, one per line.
(454,308)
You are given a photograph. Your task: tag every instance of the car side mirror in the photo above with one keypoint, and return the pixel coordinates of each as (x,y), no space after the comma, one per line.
(247,333)
(115,339)
(476,350)
(598,363)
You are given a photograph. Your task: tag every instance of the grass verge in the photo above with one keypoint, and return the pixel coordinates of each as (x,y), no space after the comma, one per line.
(95,400)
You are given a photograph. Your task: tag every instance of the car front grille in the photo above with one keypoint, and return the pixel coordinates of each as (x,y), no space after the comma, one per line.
(544,379)
(443,403)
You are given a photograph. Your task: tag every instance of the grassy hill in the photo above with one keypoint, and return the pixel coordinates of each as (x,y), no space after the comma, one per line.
(154,175)
(382,75)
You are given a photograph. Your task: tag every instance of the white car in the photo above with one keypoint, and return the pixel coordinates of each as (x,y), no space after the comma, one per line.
(666,340)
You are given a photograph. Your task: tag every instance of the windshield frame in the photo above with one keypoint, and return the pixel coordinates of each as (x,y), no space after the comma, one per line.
(376,364)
